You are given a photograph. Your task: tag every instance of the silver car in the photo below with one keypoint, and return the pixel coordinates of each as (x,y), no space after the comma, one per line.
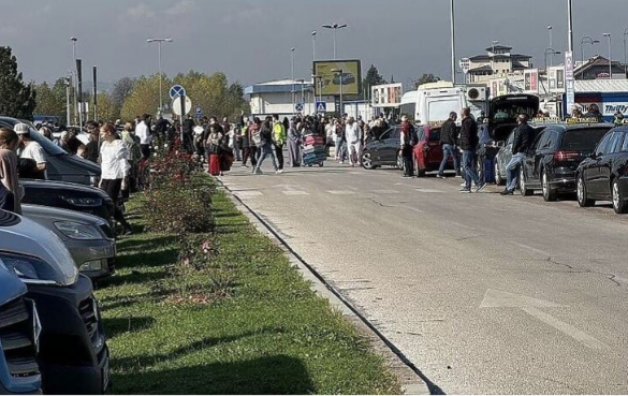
(89,239)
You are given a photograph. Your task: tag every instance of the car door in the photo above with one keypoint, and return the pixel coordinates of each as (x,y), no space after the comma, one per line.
(605,165)
(389,147)
(378,145)
(591,173)
(541,155)
(529,164)
(505,154)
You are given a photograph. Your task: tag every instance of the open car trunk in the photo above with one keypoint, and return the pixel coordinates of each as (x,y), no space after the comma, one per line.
(504,110)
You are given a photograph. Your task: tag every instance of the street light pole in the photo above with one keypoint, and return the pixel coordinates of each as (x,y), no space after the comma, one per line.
(626,51)
(551,51)
(570,25)
(159,41)
(314,33)
(586,40)
(68,88)
(610,54)
(495,42)
(338,72)
(74,80)
(453,42)
(292,78)
(551,42)
(335,28)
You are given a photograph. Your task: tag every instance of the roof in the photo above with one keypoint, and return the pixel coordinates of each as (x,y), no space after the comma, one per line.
(499,48)
(278,86)
(481,69)
(516,65)
(597,61)
(602,85)
(521,57)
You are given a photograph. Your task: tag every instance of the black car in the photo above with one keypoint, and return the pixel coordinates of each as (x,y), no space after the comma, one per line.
(70,196)
(383,151)
(603,176)
(552,160)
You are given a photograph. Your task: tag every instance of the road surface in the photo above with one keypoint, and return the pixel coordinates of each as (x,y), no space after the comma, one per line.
(483,293)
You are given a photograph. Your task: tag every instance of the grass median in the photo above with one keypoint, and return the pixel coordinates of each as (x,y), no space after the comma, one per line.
(266,332)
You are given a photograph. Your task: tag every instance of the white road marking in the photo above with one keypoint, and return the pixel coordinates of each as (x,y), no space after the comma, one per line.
(295,193)
(541,252)
(385,192)
(337,192)
(428,190)
(248,194)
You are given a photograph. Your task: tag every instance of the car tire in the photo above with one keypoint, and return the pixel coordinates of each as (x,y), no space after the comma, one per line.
(367,162)
(581,191)
(549,194)
(523,185)
(619,201)
(498,177)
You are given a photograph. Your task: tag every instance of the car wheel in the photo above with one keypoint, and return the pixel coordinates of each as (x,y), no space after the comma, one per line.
(549,194)
(619,202)
(367,162)
(581,191)
(523,185)
(498,177)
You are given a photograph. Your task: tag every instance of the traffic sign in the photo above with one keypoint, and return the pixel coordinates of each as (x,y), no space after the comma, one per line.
(299,107)
(465,64)
(199,112)
(177,91)
(176,105)
(321,107)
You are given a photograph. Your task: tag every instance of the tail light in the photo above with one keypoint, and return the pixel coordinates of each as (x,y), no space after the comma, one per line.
(566,155)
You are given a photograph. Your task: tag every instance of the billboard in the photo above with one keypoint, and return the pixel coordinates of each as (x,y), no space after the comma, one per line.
(350,79)
(388,95)
(531,81)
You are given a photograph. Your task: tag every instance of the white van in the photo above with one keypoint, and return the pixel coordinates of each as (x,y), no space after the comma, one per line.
(433,102)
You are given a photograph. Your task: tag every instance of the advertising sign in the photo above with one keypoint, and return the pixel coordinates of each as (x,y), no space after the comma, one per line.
(388,95)
(337,75)
(531,84)
(569,81)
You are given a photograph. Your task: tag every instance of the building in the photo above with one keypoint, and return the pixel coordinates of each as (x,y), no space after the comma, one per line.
(275,97)
(498,62)
(598,67)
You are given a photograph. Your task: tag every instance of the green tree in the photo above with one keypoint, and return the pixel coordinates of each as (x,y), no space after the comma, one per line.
(121,91)
(107,108)
(17,99)
(51,100)
(372,79)
(426,78)
(144,97)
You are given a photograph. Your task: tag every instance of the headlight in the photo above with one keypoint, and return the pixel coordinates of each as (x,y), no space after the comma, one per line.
(95,265)
(30,270)
(82,201)
(76,230)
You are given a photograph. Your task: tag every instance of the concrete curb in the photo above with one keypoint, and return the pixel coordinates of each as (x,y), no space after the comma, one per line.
(412,381)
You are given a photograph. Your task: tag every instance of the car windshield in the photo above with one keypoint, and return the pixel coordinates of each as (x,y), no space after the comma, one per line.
(583,139)
(439,110)
(49,147)
(509,111)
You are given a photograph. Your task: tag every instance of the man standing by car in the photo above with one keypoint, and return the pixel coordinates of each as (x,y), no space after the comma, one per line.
(521,143)
(142,131)
(469,143)
(449,141)
(408,141)
(31,150)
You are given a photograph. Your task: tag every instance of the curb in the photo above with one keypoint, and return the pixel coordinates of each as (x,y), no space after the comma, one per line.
(412,381)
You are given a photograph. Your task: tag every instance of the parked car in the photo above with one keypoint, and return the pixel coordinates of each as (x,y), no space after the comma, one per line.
(428,153)
(20,332)
(503,112)
(504,155)
(553,158)
(344,79)
(603,176)
(73,354)
(61,165)
(70,196)
(383,151)
(90,239)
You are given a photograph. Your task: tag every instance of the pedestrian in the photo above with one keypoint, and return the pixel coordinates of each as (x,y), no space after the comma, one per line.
(266,149)
(449,144)
(225,154)
(353,135)
(115,168)
(93,145)
(213,146)
(236,138)
(522,141)
(10,191)
(576,112)
(188,137)
(294,145)
(280,136)
(135,153)
(341,141)
(46,132)
(32,151)
(594,112)
(161,130)
(142,131)
(469,140)
(407,142)
(244,140)
(255,141)
(619,119)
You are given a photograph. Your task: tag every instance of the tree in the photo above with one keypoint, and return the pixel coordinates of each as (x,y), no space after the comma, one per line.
(372,79)
(16,98)
(107,109)
(144,97)
(426,79)
(121,91)
(51,101)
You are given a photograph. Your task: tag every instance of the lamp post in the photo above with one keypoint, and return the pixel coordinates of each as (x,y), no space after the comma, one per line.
(550,30)
(318,79)
(159,41)
(74,78)
(335,27)
(338,72)
(610,54)
(314,34)
(587,40)
(453,41)
(302,82)
(626,51)
(550,51)
(292,74)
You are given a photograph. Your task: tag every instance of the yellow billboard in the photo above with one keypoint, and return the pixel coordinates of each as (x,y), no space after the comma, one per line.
(345,75)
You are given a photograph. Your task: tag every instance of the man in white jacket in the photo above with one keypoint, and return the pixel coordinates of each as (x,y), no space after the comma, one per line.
(353,134)
(142,131)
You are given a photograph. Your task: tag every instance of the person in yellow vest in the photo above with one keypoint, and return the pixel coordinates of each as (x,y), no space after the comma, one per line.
(280,136)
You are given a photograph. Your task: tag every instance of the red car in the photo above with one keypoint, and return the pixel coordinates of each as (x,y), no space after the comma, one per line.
(428,154)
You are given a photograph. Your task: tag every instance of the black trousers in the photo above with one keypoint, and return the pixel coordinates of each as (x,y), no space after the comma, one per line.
(279,152)
(112,188)
(145,150)
(408,161)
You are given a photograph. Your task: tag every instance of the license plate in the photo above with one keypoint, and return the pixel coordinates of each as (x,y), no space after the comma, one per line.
(105,376)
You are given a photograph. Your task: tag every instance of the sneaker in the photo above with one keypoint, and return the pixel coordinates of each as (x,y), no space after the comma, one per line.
(465,190)
(440,176)
(507,192)
(342,162)
(259,172)
(279,172)
(480,188)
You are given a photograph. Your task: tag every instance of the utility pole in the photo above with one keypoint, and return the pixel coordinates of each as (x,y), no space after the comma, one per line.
(75,80)
(292,78)
(610,54)
(453,43)
(95,72)
(68,88)
(79,77)
(159,41)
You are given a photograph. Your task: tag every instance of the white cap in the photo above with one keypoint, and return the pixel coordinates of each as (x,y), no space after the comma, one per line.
(21,129)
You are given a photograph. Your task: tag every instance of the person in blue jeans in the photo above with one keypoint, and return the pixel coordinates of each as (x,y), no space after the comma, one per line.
(520,145)
(449,141)
(266,148)
(469,140)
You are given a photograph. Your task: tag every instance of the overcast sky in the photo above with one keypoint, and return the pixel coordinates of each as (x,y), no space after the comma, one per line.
(250,40)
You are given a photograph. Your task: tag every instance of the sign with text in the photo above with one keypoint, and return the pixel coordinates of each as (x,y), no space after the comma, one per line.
(570,88)
(388,95)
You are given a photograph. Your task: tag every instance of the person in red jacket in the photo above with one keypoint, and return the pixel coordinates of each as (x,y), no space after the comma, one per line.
(407,144)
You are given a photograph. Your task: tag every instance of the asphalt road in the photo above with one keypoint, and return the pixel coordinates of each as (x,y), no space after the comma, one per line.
(483,293)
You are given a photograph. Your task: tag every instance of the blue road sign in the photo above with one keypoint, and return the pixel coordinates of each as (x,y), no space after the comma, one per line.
(299,107)
(321,107)
(177,91)
(199,112)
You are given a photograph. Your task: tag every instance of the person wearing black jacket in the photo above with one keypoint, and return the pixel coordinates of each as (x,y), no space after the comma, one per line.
(469,140)
(520,145)
(449,141)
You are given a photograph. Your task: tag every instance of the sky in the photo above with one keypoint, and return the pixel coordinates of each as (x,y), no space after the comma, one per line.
(250,40)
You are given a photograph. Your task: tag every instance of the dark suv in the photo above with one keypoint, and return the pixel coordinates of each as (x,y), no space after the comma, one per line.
(554,156)
(603,175)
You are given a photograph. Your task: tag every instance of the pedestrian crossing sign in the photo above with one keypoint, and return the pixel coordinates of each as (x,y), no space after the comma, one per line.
(299,107)
(321,107)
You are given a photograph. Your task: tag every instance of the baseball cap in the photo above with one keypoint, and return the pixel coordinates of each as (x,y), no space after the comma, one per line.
(21,129)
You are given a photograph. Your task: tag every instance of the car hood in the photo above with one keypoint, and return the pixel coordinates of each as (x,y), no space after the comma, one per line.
(56,214)
(82,163)
(23,236)
(60,185)
(10,286)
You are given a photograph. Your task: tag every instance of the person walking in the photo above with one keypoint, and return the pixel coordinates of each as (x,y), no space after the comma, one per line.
(341,141)
(469,140)
(594,112)
(280,136)
(245,143)
(619,119)
(142,131)
(407,142)
(255,141)
(294,145)
(135,153)
(213,147)
(449,144)
(10,192)
(353,135)
(521,143)
(31,150)
(115,168)
(266,141)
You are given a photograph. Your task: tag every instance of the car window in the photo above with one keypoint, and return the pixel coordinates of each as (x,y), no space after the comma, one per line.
(537,141)
(582,139)
(386,134)
(546,140)
(396,133)
(624,146)
(616,141)
(601,148)
(435,135)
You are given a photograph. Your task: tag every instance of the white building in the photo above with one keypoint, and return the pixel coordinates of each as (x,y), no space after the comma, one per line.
(275,97)
(498,62)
